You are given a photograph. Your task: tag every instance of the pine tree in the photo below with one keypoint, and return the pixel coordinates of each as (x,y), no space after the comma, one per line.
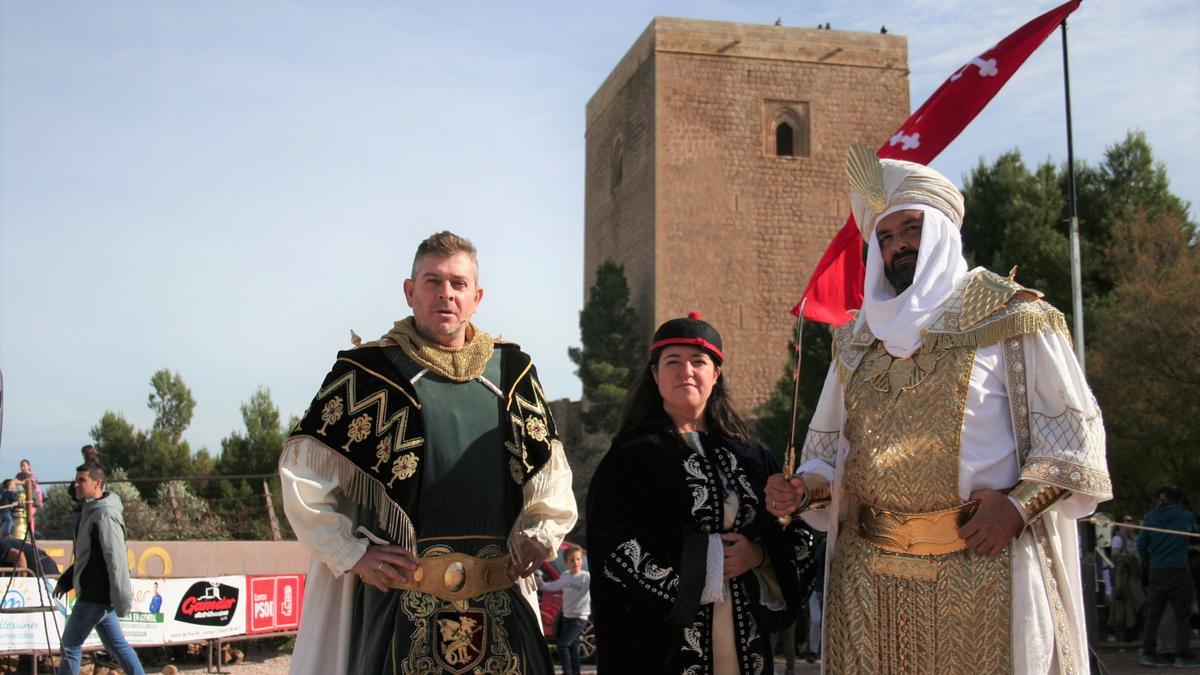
(611,352)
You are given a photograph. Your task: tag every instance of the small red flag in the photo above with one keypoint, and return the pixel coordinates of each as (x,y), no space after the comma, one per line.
(836,285)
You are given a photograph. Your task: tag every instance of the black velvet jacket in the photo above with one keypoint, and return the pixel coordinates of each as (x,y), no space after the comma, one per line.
(652,505)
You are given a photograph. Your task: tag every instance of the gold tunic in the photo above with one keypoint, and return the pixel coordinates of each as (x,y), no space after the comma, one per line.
(890,612)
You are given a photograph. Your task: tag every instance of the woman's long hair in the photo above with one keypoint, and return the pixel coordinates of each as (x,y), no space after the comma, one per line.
(644,404)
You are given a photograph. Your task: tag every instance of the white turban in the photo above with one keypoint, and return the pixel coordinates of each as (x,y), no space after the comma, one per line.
(898,320)
(878,185)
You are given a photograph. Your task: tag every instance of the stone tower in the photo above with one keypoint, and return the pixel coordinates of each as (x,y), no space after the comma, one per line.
(715,172)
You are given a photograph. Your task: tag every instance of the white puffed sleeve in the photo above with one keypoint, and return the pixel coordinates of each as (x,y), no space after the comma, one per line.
(824,443)
(315,509)
(1063,429)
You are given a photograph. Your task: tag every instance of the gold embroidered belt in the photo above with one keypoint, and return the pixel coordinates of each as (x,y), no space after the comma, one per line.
(457,576)
(931,533)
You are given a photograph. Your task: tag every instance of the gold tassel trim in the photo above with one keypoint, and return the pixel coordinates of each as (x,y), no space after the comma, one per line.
(1037,318)
(1017,323)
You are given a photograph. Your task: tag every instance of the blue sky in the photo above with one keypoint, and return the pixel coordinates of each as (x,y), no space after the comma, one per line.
(226,189)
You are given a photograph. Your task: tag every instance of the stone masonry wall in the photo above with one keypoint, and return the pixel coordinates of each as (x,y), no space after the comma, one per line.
(619,219)
(732,230)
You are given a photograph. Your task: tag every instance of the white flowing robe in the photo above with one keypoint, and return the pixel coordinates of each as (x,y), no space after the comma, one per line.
(322,518)
(1065,430)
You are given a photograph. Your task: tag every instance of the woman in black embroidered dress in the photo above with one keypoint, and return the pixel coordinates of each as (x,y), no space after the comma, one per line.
(690,572)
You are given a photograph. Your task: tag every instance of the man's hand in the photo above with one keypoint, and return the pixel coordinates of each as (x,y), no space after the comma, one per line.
(784,495)
(382,563)
(994,524)
(529,556)
(741,555)
(63,586)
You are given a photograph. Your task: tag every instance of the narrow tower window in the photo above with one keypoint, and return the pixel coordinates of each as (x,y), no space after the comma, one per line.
(786,129)
(618,162)
(785,140)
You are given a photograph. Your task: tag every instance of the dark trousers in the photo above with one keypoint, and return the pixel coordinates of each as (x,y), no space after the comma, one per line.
(567,640)
(1173,586)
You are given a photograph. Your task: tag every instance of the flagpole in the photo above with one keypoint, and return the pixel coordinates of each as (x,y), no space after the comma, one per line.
(1073,206)
(1087,555)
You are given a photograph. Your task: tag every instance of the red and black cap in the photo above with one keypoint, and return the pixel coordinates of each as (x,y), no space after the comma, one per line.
(689,331)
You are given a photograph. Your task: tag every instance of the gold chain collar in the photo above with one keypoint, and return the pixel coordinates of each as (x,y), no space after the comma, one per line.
(459,364)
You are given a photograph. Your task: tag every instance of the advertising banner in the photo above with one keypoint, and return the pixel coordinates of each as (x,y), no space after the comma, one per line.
(205,608)
(164,611)
(146,623)
(21,630)
(275,603)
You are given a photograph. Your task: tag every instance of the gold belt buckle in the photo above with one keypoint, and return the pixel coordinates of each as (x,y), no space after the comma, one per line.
(932,533)
(454,577)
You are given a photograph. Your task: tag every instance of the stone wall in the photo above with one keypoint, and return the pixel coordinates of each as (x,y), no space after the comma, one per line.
(710,216)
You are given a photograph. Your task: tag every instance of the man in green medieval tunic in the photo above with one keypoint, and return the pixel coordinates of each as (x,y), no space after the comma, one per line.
(954,446)
(428,482)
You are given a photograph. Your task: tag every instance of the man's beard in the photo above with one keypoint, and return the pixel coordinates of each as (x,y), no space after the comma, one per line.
(900,273)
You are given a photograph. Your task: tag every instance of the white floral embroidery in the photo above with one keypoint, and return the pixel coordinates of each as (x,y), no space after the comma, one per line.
(633,550)
(700,489)
(645,571)
(655,572)
(747,487)
(691,636)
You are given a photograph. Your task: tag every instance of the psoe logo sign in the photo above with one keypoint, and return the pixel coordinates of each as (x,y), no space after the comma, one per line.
(274,603)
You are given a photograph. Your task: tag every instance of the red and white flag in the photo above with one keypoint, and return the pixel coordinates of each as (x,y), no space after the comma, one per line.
(836,285)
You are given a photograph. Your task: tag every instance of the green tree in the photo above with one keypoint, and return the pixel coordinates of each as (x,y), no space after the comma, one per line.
(1140,281)
(116,439)
(1145,358)
(188,516)
(254,451)
(774,416)
(611,352)
(172,404)
(155,452)
(1018,217)
(142,520)
(1013,219)
(257,450)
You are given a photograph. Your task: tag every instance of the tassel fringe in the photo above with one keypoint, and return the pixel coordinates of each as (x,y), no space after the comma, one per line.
(364,490)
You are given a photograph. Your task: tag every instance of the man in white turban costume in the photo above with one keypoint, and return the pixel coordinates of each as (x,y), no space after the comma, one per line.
(954,446)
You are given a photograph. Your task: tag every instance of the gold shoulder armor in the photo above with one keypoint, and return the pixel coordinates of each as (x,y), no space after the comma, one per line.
(843,334)
(987,293)
(990,308)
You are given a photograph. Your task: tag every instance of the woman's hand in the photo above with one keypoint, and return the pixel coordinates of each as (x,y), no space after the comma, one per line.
(784,496)
(741,555)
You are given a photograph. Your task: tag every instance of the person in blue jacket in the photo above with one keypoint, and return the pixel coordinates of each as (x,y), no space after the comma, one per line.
(1170,579)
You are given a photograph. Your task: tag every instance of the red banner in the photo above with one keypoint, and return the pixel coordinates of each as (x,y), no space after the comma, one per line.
(836,285)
